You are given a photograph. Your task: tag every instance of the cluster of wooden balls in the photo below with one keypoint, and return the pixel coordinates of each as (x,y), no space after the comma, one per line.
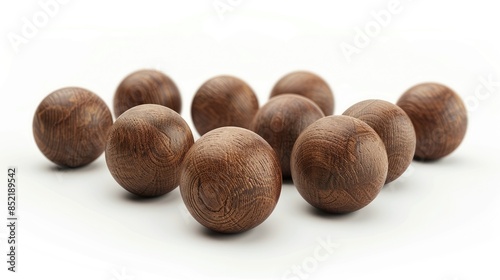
(230,179)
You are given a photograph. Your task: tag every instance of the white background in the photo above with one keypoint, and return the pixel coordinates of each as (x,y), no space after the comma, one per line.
(441,220)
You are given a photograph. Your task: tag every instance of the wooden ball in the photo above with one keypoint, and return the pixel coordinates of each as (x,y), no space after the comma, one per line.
(339,164)
(395,129)
(281,120)
(146,87)
(145,149)
(439,117)
(308,85)
(223,101)
(70,126)
(230,180)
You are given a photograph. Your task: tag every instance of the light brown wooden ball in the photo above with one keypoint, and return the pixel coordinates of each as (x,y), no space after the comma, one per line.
(395,129)
(308,85)
(145,148)
(339,164)
(146,87)
(223,101)
(230,180)
(281,120)
(439,117)
(70,126)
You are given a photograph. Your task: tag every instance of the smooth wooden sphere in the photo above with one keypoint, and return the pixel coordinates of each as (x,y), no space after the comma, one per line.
(230,180)
(308,85)
(70,126)
(145,149)
(339,164)
(281,120)
(223,101)
(146,87)
(395,129)
(439,117)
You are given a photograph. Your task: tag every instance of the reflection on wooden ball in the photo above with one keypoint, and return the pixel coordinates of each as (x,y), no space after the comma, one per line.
(281,120)
(394,128)
(339,164)
(146,87)
(230,180)
(145,149)
(439,117)
(70,126)
(223,101)
(308,85)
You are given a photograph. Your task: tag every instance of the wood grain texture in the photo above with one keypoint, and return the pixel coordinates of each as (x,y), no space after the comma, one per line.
(146,87)
(145,149)
(395,129)
(339,164)
(308,85)
(281,120)
(70,126)
(439,117)
(223,101)
(231,180)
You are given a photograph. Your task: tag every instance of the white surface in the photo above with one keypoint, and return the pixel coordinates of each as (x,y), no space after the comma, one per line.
(439,221)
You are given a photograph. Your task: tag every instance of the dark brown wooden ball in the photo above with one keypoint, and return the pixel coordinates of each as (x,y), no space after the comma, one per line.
(395,129)
(230,180)
(339,164)
(146,87)
(308,85)
(145,149)
(439,117)
(223,101)
(70,126)
(281,120)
